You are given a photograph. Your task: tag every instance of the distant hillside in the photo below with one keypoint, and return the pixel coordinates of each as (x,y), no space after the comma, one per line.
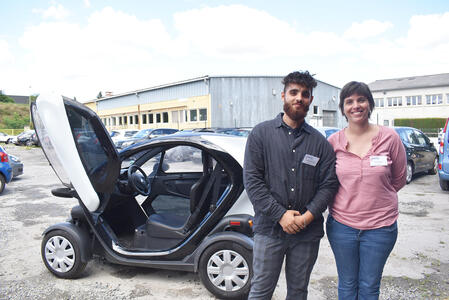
(14,115)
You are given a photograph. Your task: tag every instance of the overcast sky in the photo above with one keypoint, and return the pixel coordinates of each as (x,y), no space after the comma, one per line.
(82,47)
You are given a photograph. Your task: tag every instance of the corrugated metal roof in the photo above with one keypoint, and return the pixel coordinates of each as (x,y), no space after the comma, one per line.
(206,77)
(410,82)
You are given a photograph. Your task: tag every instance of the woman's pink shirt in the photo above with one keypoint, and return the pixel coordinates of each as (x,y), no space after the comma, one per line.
(367,196)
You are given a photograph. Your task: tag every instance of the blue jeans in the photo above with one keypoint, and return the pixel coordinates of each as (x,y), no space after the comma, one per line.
(360,256)
(268,256)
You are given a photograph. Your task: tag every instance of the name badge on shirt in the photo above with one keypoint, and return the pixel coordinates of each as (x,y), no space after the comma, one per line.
(310,160)
(378,161)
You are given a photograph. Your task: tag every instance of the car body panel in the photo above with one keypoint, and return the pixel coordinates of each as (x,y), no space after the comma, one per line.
(443,162)
(418,148)
(16,165)
(5,167)
(50,111)
(327,131)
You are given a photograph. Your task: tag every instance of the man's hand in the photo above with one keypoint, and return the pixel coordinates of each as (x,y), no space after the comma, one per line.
(303,220)
(288,221)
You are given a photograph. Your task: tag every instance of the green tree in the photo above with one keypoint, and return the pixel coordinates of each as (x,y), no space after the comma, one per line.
(16,121)
(6,99)
(100,95)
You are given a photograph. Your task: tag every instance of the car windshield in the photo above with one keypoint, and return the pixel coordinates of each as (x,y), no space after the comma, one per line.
(130,133)
(141,134)
(329,132)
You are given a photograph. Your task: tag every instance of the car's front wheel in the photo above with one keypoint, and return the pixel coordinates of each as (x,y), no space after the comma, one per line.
(226,270)
(444,184)
(409,172)
(62,254)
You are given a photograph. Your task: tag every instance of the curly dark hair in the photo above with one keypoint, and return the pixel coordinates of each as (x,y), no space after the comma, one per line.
(302,78)
(355,87)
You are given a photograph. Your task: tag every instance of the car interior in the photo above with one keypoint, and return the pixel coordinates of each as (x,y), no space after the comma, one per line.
(180,185)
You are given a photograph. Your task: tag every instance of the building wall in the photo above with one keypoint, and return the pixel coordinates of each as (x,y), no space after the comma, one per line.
(247,101)
(385,115)
(175,113)
(92,105)
(215,102)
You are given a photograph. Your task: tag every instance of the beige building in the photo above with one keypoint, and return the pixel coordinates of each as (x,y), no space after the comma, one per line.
(410,97)
(210,101)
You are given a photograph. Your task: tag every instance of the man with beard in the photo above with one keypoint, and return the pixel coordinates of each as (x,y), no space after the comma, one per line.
(289,175)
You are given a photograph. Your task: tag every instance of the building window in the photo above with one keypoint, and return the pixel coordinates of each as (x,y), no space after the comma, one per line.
(413,100)
(193,115)
(185,115)
(158,118)
(165,117)
(150,119)
(315,109)
(130,120)
(386,123)
(144,119)
(203,114)
(120,122)
(136,119)
(125,120)
(394,101)
(434,99)
(379,102)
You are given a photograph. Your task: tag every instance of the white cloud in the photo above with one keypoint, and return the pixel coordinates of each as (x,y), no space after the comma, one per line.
(57,12)
(86,3)
(120,52)
(6,57)
(366,29)
(240,32)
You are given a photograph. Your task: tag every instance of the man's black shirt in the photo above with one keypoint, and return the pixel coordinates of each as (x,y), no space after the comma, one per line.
(285,169)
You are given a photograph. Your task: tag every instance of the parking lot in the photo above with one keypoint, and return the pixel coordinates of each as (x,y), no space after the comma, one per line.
(417,269)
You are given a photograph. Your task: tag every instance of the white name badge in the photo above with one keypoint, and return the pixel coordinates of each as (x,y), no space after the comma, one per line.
(378,161)
(310,160)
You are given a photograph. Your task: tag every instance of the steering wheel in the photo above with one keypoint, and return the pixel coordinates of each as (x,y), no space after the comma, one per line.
(138,180)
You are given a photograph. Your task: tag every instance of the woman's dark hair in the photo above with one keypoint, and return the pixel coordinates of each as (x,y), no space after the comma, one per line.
(302,78)
(355,87)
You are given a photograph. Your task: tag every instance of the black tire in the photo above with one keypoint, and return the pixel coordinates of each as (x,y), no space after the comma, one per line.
(434,170)
(444,184)
(61,268)
(2,183)
(409,172)
(239,281)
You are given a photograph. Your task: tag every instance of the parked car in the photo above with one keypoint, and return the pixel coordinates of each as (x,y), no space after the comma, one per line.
(443,163)
(24,138)
(142,136)
(4,137)
(16,165)
(5,169)
(327,131)
(422,155)
(122,134)
(195,216)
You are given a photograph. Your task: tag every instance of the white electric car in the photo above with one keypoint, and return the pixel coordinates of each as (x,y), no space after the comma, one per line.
(174,202)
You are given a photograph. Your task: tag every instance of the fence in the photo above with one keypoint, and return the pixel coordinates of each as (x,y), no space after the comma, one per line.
(430,132)
(11,131)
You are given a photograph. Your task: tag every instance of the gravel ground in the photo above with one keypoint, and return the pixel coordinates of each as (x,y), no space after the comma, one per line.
(418,267)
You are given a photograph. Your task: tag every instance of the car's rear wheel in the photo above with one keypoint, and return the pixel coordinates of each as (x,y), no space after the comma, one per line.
(434,170)
(444,184)
(409,172)
(2,183)
(226,270)
(62,254)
